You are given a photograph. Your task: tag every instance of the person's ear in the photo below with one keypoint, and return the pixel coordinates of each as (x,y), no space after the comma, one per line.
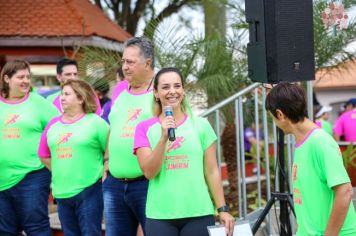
(279,114)
(6,79)
(59,78)
(155,93)
(148,63)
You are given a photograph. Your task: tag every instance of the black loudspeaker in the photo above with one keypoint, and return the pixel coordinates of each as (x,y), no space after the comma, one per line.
(281,46)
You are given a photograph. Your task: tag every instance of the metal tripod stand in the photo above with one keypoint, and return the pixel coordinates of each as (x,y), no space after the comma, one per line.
(285,198)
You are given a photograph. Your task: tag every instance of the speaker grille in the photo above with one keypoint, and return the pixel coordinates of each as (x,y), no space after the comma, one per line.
(288,41)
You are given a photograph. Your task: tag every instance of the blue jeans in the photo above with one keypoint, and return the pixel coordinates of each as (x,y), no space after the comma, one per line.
(25,206)
(82,213)
(124,206)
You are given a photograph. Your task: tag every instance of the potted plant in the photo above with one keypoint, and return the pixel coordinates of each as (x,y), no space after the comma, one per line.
(349,158)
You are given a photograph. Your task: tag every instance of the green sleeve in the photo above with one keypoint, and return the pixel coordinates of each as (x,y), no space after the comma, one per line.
(332,169)
(206,133)
(46,110)
(102,130)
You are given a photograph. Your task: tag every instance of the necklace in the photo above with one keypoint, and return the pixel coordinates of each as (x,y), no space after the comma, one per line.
(149,85)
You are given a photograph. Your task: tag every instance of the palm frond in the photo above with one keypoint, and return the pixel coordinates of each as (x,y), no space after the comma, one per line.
(98,65)
(330,49)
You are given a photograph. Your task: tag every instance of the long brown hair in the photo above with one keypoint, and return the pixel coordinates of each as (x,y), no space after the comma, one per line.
(10,68)
(84,92)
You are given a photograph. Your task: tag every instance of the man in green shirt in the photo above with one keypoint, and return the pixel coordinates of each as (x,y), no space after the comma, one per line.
(321,187)
(125,187)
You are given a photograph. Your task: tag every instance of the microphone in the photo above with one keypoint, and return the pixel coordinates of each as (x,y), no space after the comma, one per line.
(168,111)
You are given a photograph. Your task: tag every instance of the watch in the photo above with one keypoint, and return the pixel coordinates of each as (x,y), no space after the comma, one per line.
(225,208)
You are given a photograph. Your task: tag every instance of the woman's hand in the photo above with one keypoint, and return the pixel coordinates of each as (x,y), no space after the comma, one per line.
(167,122)
(227,220)
(105,170)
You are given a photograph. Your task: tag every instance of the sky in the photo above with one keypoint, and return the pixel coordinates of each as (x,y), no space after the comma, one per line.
(193,16)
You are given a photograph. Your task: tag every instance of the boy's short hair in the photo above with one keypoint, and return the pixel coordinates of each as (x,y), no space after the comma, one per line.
(65,62)
(290,99)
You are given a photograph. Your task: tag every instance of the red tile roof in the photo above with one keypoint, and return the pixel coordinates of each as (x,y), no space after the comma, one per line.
(339,77)
(56,18)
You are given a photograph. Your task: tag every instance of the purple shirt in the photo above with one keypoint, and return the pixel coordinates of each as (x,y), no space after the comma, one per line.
(106,111)
(250,133)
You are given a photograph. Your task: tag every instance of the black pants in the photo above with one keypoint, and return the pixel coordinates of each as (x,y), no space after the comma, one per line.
(194,226)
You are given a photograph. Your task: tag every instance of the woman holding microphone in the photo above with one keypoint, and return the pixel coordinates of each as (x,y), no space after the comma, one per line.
(182,172)
(24,181)
(72,147)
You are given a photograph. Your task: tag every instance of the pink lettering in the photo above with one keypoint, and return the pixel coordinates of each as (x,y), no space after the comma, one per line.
(173,166)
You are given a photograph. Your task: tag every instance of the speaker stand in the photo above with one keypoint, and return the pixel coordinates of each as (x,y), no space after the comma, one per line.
(284,198)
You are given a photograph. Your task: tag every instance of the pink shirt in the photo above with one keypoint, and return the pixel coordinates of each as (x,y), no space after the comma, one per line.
(346,125)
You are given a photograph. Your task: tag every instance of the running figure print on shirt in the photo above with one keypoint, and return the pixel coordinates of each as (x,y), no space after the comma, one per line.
(64,152)
(63,138)
(175,144)
(11,119)
(133,114)
(10,132)
(176,161)
(129,127)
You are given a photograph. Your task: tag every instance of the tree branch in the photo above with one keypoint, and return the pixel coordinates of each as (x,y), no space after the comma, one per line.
(126,12)
(136,15)
(172,8)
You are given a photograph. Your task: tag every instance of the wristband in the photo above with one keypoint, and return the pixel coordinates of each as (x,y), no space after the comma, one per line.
(225,208)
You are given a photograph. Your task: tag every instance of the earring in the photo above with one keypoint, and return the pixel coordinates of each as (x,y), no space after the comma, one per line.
(157,99)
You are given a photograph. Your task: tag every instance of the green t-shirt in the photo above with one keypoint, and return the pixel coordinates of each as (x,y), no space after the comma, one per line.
(179,190)
(318,167)
(76,150)
(126,112)
(22,123)
(327,127)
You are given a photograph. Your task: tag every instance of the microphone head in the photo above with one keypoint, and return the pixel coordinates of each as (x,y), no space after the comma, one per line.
(167,109)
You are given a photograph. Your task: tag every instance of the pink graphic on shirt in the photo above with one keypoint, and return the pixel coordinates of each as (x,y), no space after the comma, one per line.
(175,144)
(64,138)
(64,152)
(11,119)
(10,132)
(295,169)
(134,114)
(297,196)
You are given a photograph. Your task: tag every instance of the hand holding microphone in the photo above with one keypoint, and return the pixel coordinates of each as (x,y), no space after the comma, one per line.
(168,112)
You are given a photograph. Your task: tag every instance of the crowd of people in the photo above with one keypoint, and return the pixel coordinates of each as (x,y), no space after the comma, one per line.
(61,143)
(344,128)
(127,167)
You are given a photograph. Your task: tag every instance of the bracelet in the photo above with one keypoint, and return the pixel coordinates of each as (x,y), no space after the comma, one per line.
(106,159)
